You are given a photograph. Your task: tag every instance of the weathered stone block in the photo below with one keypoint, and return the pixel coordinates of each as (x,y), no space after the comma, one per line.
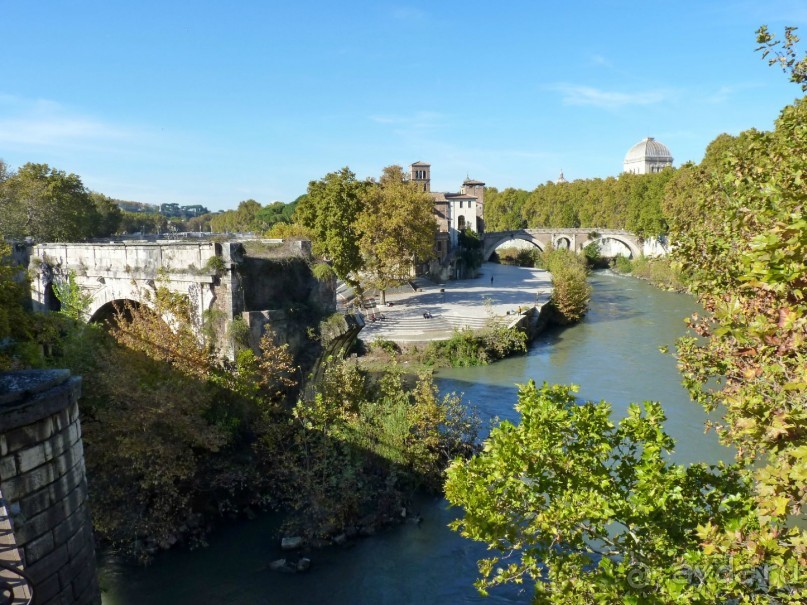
(48,566)
(48,588)
(61,420)
(67,482)
(68,528)
(35,503)
(26,436)
(79,542)
(60,442)
(31,457)
(38,548)
(8,467)
(29,529)
(18,487)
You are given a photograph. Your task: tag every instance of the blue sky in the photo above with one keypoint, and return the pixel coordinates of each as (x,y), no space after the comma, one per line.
(214,102)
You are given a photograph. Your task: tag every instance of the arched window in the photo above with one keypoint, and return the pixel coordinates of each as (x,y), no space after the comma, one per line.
(461,223)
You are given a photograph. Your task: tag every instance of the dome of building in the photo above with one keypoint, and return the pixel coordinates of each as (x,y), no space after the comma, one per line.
(648,155)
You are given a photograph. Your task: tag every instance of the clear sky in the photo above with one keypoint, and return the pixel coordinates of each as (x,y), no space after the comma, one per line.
(216,102)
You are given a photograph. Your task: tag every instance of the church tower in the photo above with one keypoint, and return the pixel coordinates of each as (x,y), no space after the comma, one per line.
(420,174)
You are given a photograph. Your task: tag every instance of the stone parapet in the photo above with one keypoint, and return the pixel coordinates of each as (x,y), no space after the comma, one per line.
(42,479)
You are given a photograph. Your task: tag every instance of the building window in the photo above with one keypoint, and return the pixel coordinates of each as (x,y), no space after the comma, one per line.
(439,246)
(461,222)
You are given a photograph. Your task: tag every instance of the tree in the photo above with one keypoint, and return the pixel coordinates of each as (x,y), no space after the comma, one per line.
(109,215)
(740,234)
(274,213)
(331,211)
(586,510)
(142,222)
(784,54)
(244,218)
(747,261)
(16,323)
(397,229)
(46,204)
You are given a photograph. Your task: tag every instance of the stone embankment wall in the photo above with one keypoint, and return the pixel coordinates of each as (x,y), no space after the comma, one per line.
(533,321)
(42,480)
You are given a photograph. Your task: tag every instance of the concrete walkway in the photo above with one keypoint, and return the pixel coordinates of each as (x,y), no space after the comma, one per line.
(456,304)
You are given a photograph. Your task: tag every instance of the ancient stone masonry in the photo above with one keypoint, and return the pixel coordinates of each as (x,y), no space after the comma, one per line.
(612,242)
(44,489)
(222,281)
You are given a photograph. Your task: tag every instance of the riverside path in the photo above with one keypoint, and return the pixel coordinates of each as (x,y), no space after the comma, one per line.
(457,304)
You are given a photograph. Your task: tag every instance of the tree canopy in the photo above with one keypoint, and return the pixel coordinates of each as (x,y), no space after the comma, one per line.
(630,201)
(50,205)
(331,211)
(591,512)
(397,229)
(585,510)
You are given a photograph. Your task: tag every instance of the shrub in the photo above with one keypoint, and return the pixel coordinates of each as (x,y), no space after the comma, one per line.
(467,348)
(387,346)
(658,271)
(622,264)
(570,289)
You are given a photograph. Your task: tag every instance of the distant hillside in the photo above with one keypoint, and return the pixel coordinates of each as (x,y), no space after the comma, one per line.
(136,206)
(170,210)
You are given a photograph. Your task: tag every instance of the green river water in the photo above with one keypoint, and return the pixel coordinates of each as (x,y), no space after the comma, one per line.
(613,355)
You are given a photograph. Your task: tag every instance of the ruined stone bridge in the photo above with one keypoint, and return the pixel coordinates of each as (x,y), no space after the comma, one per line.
(259,282)
(612,242)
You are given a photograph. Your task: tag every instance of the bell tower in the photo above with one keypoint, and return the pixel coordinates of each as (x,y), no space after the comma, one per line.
(420,174)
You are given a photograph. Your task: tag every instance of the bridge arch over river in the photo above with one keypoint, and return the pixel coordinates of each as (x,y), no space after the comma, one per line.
(261,282)
(571,239)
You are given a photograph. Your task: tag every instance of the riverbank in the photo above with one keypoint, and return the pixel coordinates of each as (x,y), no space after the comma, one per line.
(612,354)
(499,295)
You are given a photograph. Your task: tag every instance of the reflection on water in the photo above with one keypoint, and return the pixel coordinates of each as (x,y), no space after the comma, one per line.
(613,354)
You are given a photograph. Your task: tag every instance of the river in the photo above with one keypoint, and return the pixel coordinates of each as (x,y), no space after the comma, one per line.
(613,355)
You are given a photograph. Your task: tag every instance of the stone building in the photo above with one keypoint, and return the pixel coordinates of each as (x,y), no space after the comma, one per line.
(454,212)
(647,156)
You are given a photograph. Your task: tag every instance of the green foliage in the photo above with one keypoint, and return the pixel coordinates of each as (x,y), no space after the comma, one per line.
(397,229)
(588,511)
(520,257)
(570,289)
(631,201)
(239,332)
(745,259)
(503,210)
(274,213)
(592,253)
(661,272)
(49,205)
(331,211)
(250,216)
(468,348)
(785,54)
(109,215)
(322,271)
(74,301)
(470,246)
(360,447)
(622,264)
(142,222)
(388,346)
(166,423)
(16,324)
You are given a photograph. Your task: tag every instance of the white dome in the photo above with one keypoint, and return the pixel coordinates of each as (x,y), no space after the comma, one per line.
(648,148)
(648,155)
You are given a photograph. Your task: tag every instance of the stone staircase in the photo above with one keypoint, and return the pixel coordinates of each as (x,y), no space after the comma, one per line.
(416,328)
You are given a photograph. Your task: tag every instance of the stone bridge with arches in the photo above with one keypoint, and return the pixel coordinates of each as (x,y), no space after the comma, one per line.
(612,242)
(257,282)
